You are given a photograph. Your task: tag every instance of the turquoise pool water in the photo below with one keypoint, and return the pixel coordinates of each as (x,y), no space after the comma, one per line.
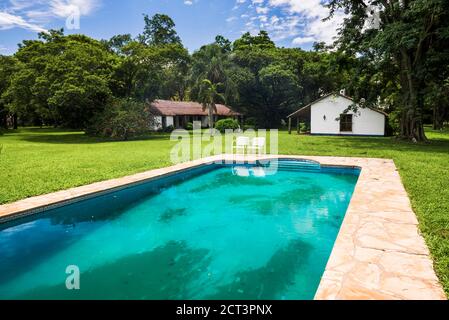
(202,234)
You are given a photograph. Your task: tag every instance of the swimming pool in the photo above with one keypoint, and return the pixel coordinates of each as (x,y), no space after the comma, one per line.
(205,233)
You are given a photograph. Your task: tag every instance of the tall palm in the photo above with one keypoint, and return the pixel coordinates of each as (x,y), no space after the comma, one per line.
(208,96)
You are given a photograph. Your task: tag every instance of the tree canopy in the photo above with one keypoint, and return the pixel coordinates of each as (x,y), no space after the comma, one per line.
(399,44)
(398,62)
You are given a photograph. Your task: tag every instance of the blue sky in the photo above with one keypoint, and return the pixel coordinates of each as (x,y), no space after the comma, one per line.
(291,23)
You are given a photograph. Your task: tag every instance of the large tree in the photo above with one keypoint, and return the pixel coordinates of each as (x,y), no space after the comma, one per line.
(398,37)
(8,66)
(209,96)
(159,30)
(212,63)
(146,72)
(61,80)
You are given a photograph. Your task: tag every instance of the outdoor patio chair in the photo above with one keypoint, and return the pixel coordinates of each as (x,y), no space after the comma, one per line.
(241,144)
(258,172)
(240,171)
(258,145)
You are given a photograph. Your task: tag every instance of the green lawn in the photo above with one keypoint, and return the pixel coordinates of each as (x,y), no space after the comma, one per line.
(36,161)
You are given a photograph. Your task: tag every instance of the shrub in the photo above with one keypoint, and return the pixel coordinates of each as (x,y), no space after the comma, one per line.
(224,124)
(189,126)
(304,127)
(169,129)
(393,124)
(121,120)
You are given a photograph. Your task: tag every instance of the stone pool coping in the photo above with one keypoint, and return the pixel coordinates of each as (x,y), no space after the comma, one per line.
(378,254)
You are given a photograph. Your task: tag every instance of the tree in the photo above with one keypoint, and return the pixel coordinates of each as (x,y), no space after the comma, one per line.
(223,43)
(159,30)
(212,63)
(268,79)
(118,42)
(260,41)
(146,73)
(208,96)
(8,66)
(61,80)
(408,33)
(122,120)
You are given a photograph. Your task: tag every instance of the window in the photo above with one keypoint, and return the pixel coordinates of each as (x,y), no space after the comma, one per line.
(346,123)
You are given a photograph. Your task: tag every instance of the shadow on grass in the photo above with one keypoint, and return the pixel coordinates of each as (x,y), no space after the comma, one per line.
(60,136)
(369,146)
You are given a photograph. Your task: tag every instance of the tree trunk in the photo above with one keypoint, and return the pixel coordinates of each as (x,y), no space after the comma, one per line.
(4,121)
(14,121)
(412,126)
(211,120)
(438,118)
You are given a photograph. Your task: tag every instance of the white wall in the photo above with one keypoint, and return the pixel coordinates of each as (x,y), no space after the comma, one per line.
(365,121)
(204,121)
(170,121)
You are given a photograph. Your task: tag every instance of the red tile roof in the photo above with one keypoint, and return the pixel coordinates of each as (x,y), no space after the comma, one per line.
(182,108)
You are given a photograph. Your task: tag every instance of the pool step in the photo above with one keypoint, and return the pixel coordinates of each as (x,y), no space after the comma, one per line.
(286,165)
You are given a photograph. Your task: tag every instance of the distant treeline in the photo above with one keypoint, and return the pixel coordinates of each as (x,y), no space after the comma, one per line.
(72,80)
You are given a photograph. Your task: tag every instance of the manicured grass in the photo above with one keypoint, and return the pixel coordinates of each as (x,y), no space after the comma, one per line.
(36,161)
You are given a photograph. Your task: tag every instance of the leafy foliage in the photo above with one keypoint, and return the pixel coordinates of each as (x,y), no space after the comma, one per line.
(67,80)
(122,120)
(159,30)
(399,57)
(224,124)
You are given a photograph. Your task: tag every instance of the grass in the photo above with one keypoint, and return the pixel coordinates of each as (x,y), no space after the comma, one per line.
(37,161)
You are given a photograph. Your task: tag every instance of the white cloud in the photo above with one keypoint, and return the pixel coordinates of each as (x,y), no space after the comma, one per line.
(34,15)
(9,21)
(301,21)
(302,40)
(263,10)
(188,2)
(312,12)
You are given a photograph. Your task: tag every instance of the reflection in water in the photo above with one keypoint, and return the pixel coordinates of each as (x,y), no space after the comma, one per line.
(162,274)
(269,281)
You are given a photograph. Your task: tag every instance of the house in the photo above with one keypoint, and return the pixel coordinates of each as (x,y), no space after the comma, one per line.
(179,113)
(327,116)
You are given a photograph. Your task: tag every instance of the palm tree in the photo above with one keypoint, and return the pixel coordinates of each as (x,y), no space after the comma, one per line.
(208,96)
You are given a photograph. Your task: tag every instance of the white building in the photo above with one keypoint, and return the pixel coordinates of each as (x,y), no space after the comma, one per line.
(179,113)
(327,116)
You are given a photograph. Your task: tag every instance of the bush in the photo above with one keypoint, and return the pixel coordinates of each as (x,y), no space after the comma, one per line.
(169,129)
(393,125)
(121,120)
(189,126)
(224,124)
(304,127)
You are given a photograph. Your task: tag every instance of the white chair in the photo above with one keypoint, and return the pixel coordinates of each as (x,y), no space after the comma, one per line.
(240,171)
(241,144)
(258,172)
(258,145)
